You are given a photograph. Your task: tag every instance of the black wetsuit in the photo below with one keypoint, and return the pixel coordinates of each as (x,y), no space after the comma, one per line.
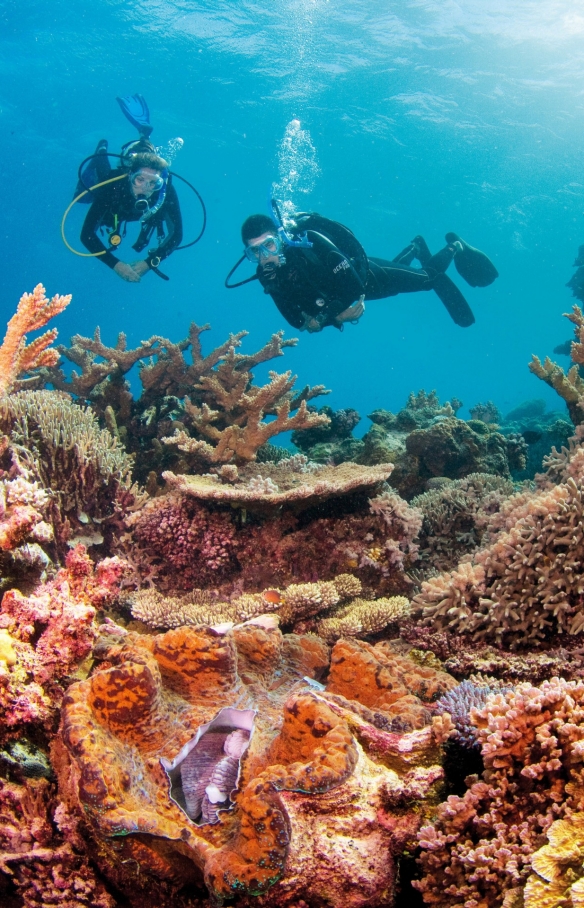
(114,205)
(317,284)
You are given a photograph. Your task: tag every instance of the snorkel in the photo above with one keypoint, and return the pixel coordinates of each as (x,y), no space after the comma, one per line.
(284,226)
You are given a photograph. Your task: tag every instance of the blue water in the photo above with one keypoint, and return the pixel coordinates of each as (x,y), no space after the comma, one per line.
(436,116)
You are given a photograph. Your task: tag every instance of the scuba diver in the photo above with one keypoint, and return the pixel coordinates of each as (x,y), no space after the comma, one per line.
(140,189)
(318,274)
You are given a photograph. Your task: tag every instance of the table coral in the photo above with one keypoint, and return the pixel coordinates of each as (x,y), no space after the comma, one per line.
(481,848)
(313,762)
(42,851)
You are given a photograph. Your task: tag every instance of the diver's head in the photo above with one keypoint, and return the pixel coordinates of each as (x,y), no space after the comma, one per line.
(263,245)
(146,174)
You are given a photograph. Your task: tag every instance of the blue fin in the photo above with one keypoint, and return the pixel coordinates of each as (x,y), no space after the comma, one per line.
(135,109)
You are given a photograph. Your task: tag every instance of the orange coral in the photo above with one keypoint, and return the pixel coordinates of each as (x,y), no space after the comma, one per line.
(147,703)
(16,356)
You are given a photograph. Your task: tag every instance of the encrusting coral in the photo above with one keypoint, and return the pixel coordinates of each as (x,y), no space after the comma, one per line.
(317,769)
(47,635)
(17,358)
(42,851)
(483,847)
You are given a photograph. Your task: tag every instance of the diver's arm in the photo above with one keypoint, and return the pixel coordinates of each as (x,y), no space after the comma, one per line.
(171,215)
(89,236)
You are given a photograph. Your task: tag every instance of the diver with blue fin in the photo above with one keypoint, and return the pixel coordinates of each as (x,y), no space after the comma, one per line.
(140,188)
(319,275)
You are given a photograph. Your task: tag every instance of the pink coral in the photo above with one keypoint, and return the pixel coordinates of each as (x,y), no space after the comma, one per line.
(52,631)
(185,543)
(42,852)
(481,845)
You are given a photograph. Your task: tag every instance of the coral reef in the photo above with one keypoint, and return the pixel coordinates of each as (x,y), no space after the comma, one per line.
(47,635)
(316,771)
(482,846)
(17,358)
(269,486)
(178,542)
(83,468)
(332,609)
(526,583)
(42,851)
(208,409)
(569,385)
(455,517)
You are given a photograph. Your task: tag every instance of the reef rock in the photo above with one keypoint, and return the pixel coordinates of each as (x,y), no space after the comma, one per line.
(325,796)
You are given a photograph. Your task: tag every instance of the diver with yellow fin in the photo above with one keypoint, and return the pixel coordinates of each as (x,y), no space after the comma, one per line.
(140,189)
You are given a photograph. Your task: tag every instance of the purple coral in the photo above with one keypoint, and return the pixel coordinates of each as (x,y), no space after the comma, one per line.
(459,702)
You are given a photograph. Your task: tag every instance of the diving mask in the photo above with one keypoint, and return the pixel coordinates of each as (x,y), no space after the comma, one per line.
(272,245)
(146,181)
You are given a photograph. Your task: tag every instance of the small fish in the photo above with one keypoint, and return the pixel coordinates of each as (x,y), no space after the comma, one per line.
(274,597)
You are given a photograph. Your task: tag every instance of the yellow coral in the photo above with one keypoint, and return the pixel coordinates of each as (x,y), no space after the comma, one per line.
(7,654)
(558,881)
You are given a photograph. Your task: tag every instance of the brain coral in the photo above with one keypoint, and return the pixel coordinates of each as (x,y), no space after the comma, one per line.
(317,801)
(484,846)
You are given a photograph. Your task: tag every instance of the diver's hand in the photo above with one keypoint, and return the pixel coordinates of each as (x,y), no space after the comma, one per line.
(127,273)
(140,268)
(352,313)
(312,325)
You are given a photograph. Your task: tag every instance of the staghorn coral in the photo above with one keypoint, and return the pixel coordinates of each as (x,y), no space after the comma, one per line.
(50,633)
(482,846)
(16,356)
(42,851)
(570,385)
(313,763)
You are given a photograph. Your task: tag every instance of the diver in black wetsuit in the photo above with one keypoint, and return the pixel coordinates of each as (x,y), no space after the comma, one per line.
(145,193)
(318,274)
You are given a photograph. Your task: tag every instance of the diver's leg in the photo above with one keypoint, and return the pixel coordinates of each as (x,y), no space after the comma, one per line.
(388,279)
(101,161)
(406,256)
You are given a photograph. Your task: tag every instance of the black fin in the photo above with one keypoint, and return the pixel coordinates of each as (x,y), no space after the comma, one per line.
(458,308)
(473,265)
(423,254)
(135,109)
(406,256)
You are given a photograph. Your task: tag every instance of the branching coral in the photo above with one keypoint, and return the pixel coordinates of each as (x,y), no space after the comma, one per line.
(527,583)
(85,467)
(480,850)
(315,772)
(16,356)
(331,609)
(455,516)
(570,385)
